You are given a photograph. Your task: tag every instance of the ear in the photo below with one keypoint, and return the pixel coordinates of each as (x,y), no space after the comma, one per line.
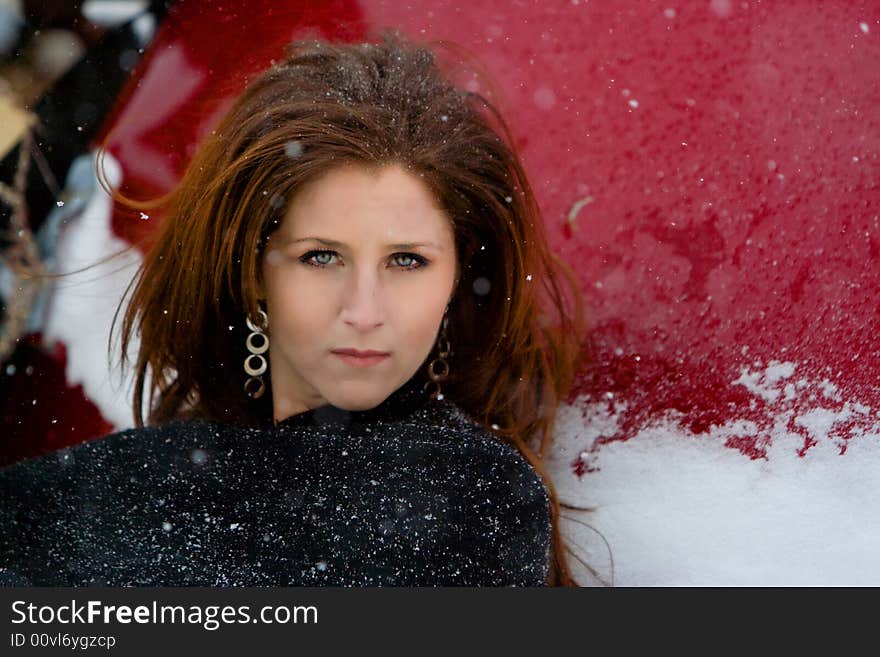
(261,288)
(454,284)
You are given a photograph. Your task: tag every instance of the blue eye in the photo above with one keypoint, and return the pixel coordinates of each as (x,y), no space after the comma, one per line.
(418,260)
(307,258)
(312,259)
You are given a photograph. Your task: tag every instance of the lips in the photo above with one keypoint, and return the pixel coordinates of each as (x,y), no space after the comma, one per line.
(356,358)
(360,354)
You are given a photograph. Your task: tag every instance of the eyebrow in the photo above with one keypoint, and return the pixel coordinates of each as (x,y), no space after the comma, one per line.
(342,245)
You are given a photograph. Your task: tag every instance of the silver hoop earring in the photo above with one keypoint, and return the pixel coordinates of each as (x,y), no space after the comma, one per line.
(438,369)
(255,365)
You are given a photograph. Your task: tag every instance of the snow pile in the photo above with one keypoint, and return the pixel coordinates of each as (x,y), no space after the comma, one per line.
(82,304)
(683,509)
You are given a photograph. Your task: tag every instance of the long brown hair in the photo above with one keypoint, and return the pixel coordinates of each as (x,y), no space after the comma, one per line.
(516,320)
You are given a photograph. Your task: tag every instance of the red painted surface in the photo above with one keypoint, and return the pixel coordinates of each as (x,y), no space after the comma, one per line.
(46,413)
(710,168)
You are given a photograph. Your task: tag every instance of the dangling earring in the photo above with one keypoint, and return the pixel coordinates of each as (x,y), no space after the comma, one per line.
(255,365)
(438,369)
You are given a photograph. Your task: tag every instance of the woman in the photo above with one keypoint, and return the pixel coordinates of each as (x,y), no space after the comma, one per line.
(352,372)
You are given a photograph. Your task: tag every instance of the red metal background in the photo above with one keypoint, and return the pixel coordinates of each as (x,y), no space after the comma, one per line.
(710,168)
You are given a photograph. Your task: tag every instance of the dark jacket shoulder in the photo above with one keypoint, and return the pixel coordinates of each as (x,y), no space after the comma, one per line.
(431,498)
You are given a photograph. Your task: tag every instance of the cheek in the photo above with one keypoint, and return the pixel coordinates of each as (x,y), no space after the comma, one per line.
(295,309)
(418,317)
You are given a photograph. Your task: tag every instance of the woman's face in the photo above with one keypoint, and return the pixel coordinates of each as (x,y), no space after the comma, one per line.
(362,261)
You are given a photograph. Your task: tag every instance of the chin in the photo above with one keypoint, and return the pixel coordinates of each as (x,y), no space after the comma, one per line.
(357,402)
(358,405)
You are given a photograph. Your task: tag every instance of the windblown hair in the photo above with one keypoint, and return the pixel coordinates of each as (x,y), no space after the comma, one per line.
(516,349)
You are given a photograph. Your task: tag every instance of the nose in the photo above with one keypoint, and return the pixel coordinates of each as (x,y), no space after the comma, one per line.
(362,304)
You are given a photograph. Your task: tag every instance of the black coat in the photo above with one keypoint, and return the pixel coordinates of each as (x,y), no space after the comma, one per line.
(410,493)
